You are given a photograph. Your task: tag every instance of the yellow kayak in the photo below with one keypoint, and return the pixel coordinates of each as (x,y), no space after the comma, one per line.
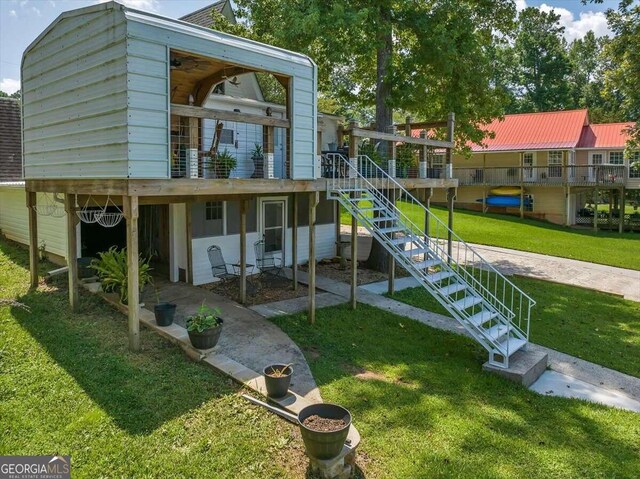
(506,191)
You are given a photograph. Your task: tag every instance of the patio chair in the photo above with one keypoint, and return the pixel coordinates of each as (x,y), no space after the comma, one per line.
(267,261)
(219,268)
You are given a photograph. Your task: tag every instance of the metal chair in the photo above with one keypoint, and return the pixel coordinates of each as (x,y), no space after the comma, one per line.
(267,261)
(219,268)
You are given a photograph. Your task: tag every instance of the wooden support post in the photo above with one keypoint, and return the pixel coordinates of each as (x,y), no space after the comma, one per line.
(353,301)
(451,123)
(621,208)
(268,142)
(391,272)
(294,242)
(521,185)
(567,206)
(407,125)
(338,234)
(33,238)
(451,194)
(610,208)
(243,251)
(596,198)
(428,193)
(194,144)
(314,198)
(131,214)
(189,235)
(72,250)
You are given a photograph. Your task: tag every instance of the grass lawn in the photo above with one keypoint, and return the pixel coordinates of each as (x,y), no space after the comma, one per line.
(610,248)
(597,327)
(426,409)
(69,385)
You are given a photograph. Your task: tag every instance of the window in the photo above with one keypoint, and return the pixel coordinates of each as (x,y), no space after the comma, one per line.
(555,164)
(528,161)
(219,88)
(528,203)
(214,211)
(616,158)
(226,136)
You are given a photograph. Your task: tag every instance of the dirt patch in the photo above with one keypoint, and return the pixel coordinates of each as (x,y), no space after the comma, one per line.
(333,270)
(367,375)
(259,290)
(324,424)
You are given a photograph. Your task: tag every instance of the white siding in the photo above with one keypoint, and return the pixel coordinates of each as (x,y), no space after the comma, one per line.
(14,221)
(325,248)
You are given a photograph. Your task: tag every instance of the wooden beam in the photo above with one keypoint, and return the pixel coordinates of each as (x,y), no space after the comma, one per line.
(521,173)
(79,186)
(621,208)
(294,242)
(428,193)
(268,148)
(376,135)
(72,250)
(314,199)
(33,238)
(596,197)
(204,86)
(424,125)
(451,194)
(131,215)
(243,251)
(222,115)
(189,236)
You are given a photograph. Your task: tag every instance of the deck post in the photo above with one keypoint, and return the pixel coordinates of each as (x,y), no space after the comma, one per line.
(314,198)
(243,251)
(451,195)
(338,231)
(189,235)
(391,272)
(33,238)
(621,207)
(610,208)
(567,205)
(294,243)
(521,185)
(596,197)
(428,193)
(451,192)
(131,214)
(353,301)
(268,141)
(72,250)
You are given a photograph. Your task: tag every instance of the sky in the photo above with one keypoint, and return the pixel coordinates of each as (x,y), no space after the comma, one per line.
(21,21)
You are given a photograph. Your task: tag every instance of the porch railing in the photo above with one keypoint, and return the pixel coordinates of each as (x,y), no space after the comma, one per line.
(542,175)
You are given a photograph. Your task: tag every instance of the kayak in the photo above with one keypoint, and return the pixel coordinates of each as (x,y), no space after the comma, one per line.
(506,191)
(506,201)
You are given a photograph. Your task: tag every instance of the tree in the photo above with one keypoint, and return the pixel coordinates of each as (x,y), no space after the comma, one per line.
(428,57)
(543,64)
(17,94)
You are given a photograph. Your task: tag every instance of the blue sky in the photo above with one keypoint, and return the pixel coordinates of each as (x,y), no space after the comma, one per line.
(21,21)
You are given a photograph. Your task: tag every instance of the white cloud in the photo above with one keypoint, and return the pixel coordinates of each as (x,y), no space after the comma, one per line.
(36,10)
(575,27)
(12,13)
(9,85)
(144,5)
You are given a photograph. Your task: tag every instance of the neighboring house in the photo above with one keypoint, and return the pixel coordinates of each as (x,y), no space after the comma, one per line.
(546,165)
(13,211)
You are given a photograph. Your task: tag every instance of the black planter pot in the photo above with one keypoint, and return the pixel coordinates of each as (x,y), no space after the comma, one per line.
(320,444)
(164,313)
(207,339)
(277,387)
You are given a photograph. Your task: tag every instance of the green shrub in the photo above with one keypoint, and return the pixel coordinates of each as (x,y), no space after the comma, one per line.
(205,318)
(111,267)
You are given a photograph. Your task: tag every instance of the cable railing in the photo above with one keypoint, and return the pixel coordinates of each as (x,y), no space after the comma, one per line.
(542,175)
(395,226)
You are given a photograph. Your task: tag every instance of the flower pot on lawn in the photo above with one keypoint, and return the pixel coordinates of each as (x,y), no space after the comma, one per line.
(277,378)
(164,313)
(204,327)
(324,428)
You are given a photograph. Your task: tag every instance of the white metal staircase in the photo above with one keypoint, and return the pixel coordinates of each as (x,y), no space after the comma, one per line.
(490,307)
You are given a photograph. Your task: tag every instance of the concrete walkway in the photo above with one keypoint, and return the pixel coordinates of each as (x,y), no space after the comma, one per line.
(608,279)
(247,337)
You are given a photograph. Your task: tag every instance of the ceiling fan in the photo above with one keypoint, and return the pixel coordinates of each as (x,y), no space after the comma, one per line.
(183,62)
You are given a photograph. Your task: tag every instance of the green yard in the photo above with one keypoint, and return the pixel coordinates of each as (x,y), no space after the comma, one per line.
(614,249)
(69,385)
(597,327)
(426,409)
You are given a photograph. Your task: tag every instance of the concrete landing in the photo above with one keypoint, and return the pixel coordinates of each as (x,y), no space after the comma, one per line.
(553,383)
(525,367)
(296,305)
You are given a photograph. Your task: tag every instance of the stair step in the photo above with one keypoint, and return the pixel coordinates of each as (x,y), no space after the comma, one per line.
(415,251)
(392,229)
(352,190)
(375,208)
(452,288)
(513,345)
(402,240)
(497,331)
(467,302)
(482,317)
(439,276)
(380,219)
(427,264)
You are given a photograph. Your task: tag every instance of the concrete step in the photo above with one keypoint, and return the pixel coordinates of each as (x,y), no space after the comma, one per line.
(525,367)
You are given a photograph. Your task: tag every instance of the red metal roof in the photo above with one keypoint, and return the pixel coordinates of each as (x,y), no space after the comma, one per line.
(535,131)
(604,135)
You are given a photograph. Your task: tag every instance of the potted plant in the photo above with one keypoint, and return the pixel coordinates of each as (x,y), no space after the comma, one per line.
(204,327)
(222,163)
(277,378)
(111,267)
(163,311)
(257,155)
(324,428)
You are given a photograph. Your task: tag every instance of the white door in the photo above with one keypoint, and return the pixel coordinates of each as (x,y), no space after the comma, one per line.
(555,164)
(528,162)
(273,225)
(595,160)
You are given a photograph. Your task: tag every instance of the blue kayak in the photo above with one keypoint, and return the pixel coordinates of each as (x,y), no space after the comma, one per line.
(508,201)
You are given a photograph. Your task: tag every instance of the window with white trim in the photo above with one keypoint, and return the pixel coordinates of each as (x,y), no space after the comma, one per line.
(616,158)
(555,164)
(214,210)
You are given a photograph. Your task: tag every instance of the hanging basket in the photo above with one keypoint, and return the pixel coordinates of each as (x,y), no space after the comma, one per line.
(58,211)
(44,210)
(90,215)
(109,220)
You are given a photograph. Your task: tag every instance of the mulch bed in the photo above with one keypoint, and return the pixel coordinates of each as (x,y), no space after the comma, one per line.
(323,424)
(259,291)
(333,270)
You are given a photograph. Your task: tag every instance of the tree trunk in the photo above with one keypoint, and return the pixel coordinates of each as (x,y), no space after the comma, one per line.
(377,259)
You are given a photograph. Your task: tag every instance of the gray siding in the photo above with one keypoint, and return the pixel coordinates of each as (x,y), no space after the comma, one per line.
(75,99)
